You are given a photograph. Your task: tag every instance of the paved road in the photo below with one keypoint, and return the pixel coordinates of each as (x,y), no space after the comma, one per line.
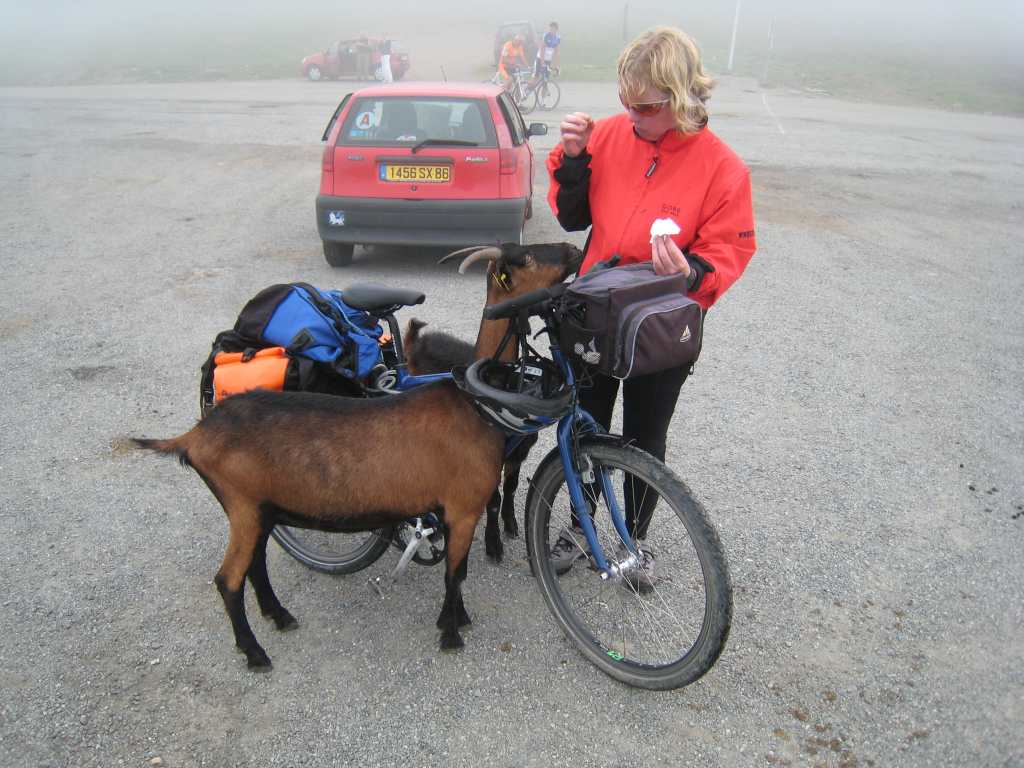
(855,426)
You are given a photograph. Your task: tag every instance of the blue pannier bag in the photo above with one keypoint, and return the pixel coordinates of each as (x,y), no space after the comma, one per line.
(314,324)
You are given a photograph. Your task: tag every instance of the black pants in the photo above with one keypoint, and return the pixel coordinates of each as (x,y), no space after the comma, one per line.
(648,403)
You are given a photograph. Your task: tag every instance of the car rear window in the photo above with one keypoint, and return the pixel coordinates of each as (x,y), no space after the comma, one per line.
(404,120)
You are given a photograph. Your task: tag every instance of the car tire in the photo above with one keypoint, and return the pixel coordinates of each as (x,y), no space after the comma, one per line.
(313,73)
(338,254)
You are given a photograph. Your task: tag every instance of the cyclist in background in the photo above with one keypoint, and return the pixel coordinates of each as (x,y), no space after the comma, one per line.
(513,57)
(547,54)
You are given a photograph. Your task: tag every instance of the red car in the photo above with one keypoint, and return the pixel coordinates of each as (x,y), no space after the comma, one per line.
(436,164)
(342,60)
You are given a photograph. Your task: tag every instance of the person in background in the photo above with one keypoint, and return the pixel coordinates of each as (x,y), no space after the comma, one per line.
(656,159)
(547,53)
(386,74)
(513,57)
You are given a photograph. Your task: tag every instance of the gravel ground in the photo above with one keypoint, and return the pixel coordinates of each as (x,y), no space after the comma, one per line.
(854,427)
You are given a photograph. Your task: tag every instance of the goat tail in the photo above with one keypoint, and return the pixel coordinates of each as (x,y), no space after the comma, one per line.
(175,445)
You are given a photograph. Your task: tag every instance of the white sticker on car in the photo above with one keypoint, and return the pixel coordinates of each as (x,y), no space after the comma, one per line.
(365,120)
(336,218)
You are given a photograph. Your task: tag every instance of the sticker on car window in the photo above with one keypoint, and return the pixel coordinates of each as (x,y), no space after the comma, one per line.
(365,120)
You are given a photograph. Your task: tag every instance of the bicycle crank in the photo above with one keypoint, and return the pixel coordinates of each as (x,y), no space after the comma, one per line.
(422,542)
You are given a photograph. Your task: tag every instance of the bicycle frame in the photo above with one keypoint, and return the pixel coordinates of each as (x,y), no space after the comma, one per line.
(580,422)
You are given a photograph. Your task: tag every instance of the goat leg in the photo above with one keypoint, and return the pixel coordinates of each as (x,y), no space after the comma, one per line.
(230,581)
(492,536)
(508,499)
(513,465)
(270,606)
(453,612)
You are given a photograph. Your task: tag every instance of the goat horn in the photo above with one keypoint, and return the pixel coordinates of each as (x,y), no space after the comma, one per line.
(459,252)
(490,254)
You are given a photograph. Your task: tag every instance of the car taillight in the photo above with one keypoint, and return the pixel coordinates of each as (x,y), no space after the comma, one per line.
(327,162)
(507,161)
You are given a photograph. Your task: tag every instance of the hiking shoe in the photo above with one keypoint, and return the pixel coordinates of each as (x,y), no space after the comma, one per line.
(641,577)
(570,547)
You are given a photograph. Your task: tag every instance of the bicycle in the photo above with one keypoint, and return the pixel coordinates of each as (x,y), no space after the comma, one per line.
(544,93)
(547,93)
(662,632)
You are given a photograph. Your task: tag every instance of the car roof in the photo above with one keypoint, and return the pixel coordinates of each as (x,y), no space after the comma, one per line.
(432,88)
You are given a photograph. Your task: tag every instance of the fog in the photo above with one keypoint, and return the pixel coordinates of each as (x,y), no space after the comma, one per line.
(60,42)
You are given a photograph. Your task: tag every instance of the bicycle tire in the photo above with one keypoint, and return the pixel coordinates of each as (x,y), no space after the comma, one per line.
(361,549)
(524,99)
(624,650)
(548,94)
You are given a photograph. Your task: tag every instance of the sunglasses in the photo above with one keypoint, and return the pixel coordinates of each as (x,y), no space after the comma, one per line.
(644,108)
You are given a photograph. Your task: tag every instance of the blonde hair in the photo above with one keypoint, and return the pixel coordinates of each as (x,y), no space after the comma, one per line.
(667,59)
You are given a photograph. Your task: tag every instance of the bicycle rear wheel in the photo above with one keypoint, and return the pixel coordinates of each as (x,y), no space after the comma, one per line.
(548,94)
(662,637)
(335,553)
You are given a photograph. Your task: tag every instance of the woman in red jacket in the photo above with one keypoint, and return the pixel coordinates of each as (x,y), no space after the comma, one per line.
(657,160)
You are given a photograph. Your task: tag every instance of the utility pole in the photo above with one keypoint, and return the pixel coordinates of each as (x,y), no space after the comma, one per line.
(735,26)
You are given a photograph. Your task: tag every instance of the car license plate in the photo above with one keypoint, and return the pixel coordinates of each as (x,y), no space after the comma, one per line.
(425,174)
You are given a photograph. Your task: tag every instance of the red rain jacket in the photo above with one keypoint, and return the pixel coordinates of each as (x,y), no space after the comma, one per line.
(694,179)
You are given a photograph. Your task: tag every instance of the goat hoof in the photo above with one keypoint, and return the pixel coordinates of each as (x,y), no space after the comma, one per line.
(464,620)
(285,622)
(495,550)
(451,641)
(512,530)
(258,661)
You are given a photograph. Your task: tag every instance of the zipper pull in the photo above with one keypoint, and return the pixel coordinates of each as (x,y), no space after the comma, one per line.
(650,171)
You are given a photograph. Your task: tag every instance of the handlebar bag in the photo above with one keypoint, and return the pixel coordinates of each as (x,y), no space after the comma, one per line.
(628,321)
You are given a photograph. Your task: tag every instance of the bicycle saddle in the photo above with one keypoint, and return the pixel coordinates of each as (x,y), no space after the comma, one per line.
(380,298)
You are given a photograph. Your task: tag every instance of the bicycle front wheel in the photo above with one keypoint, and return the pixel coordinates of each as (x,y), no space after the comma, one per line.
(548,95)
(524,98)
(660,632)
(335,553)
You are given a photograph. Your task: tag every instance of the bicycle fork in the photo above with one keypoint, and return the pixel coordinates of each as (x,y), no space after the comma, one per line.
(574,480)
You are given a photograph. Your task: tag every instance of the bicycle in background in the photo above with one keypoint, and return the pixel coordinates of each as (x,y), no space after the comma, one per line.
(529,94)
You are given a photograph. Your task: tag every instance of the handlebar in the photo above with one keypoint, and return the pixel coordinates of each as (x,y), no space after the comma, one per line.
(536,300)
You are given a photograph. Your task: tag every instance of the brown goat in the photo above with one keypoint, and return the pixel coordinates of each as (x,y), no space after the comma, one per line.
(300,459)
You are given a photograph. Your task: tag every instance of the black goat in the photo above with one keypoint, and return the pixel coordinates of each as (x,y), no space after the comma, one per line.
(299,459)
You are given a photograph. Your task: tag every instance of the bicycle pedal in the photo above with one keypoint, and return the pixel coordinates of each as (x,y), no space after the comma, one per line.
(376,584)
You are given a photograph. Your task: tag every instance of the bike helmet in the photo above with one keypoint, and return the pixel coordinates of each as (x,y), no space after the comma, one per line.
(519,397)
